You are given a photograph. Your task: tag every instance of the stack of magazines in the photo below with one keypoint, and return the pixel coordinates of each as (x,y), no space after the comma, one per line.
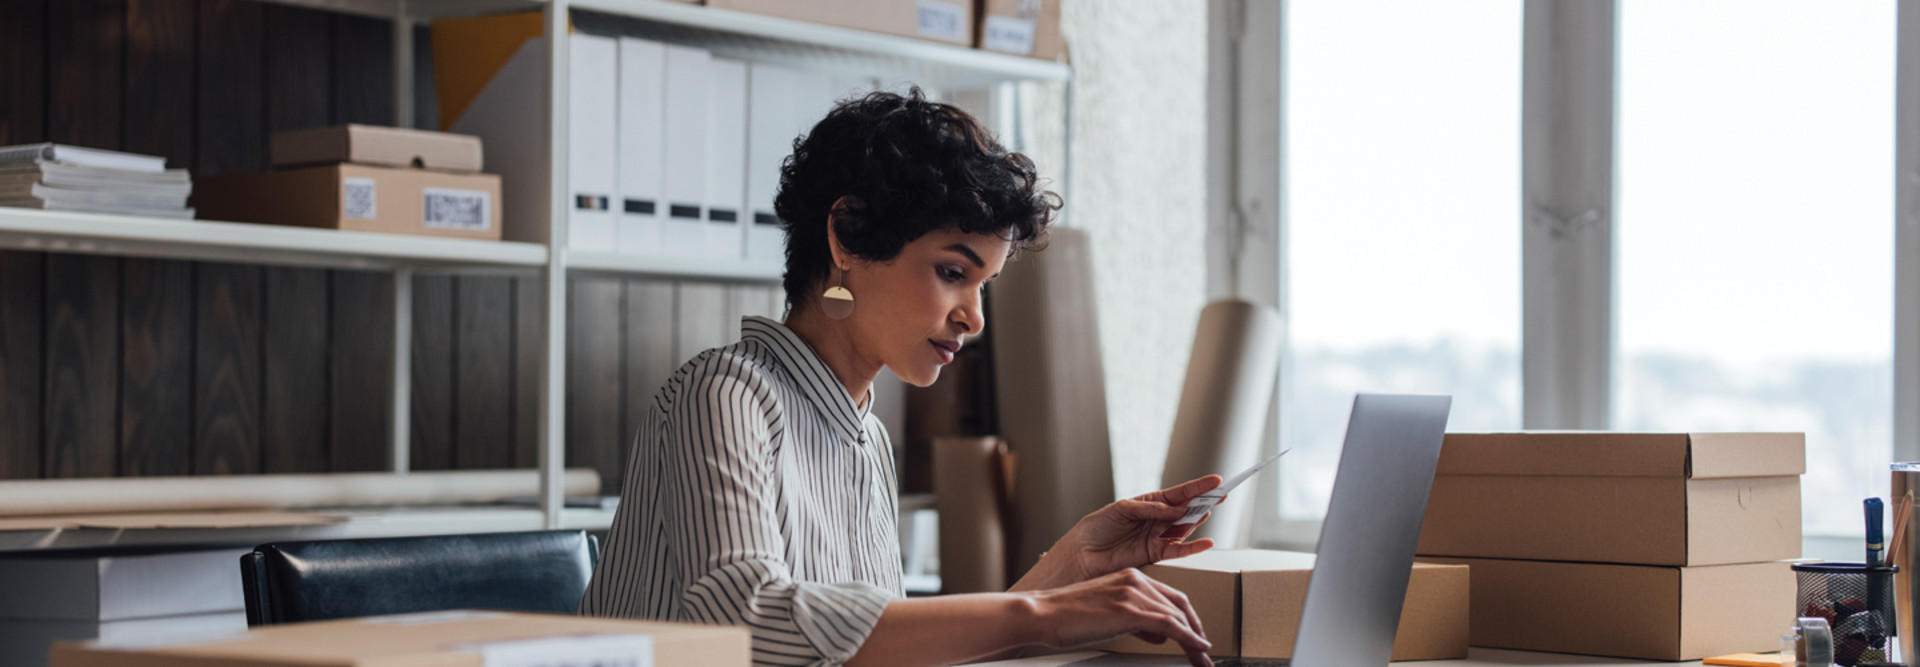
(58,177)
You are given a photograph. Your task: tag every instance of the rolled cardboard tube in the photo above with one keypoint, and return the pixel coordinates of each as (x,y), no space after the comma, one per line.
(36,497)
(967,489)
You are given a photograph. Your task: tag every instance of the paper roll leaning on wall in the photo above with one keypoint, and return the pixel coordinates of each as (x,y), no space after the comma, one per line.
(1224,405)
(971,476)
(36,497)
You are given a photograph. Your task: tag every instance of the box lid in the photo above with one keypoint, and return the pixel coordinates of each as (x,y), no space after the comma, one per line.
(1251,560)
(1603,454)
(441,639)
(369,144)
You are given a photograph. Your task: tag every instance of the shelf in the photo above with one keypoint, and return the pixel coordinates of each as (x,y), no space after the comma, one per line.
(97,234)
(676,268)
(359,523)
(754,37)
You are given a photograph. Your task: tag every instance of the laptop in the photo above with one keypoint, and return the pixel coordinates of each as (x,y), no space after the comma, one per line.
(1359,580)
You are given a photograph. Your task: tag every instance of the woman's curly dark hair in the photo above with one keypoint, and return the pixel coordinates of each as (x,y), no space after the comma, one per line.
(915,167)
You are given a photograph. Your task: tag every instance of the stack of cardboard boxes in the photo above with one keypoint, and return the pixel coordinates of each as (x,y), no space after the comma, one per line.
(364,178)
(1657,546)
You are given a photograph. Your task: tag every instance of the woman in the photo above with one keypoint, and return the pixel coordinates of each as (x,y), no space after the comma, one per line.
(761,490)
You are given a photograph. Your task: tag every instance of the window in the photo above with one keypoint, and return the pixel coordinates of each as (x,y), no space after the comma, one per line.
(1403,266)
(1754,231)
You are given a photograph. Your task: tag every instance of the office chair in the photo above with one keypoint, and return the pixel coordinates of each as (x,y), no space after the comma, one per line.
(289,582)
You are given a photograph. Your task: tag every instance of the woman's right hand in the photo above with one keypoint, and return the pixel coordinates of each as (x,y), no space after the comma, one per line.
(1123,602)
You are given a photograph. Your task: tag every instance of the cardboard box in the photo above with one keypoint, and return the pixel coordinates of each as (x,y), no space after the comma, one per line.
(358,198)
(1021,27)
(439,639)
(1632,498)
(1249,602)
(1629,611)
(381,146)
(948,21)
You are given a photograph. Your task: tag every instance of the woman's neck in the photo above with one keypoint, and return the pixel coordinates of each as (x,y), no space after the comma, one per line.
(833,341)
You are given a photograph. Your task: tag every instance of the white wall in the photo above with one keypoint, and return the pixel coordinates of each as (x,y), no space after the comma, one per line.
(1137,140)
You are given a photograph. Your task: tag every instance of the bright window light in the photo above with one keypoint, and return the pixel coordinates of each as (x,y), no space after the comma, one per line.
(1754,235)
(1403,190)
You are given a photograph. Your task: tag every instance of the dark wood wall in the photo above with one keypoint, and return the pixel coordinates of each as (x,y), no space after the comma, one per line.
(115,366)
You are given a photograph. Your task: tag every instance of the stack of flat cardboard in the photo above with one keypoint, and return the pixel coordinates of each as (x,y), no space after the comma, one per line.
(364,178)
(1637,545)
(117,595)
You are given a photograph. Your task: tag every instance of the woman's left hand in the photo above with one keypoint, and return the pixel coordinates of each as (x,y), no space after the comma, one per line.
(1131,533)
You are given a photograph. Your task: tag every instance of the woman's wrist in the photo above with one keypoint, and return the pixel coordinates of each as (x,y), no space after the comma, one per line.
(1022,614)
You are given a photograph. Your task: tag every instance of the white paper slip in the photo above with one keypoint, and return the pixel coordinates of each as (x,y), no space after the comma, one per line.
(590,650)
(1199,506)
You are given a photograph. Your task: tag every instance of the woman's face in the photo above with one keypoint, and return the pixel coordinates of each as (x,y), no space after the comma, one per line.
(916,311)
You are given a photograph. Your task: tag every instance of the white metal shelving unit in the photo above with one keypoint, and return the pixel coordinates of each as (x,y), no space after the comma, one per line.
(738,35)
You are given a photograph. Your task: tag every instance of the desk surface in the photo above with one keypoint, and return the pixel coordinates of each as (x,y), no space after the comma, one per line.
(1477,657)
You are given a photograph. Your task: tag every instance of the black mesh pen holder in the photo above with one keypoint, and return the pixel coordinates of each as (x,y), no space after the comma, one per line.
(1857,602)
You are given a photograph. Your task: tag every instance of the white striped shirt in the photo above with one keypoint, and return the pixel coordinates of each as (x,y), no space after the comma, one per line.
(757,494)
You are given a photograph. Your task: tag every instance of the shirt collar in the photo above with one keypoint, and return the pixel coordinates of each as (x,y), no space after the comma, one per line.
(811,373)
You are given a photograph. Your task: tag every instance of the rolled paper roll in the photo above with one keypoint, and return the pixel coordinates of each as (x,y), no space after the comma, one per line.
(967,490)
(1224,404)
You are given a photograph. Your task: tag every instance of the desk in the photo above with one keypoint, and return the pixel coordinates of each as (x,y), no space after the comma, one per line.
(1476,657)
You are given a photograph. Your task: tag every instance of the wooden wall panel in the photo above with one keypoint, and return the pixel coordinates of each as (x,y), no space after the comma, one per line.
(82,366)
(293,414)
(433,387)
(159,68)
(156,370)
(701,319)
(23,56)
(529,354)
(483,410)
(360,334)
(230,134)
(594,391)
(85,42)
(21,316)
(362,70)
(156,367)
(299,84)
(227,354)
(650,360)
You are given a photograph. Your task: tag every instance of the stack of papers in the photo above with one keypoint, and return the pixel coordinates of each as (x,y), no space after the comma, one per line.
(57,177)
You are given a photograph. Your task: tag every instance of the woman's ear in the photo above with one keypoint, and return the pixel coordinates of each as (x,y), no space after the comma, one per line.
(842,208)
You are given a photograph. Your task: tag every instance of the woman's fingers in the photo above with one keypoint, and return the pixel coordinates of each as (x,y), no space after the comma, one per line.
(1180,601)
(1172,617)
(1174,550)
(1179,494)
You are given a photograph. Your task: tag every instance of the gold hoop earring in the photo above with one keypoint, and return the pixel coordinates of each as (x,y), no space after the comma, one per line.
(837,302)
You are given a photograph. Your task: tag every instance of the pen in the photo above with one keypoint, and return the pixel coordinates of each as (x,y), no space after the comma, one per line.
(1875,542)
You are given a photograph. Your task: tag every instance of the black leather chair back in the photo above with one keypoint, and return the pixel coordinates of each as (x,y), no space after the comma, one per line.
(290,582)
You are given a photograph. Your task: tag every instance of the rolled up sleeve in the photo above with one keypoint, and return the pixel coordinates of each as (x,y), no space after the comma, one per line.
(721,481)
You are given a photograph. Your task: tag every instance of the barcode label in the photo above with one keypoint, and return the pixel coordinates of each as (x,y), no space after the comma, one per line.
(1005,33)
(447,208)
(942,20)
(568,651)
(358,198)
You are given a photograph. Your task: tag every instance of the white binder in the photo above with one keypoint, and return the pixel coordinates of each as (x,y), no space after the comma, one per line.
(643,147)
(687,72)
(726,160)
(769,140)
(591,161)
(782,106)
